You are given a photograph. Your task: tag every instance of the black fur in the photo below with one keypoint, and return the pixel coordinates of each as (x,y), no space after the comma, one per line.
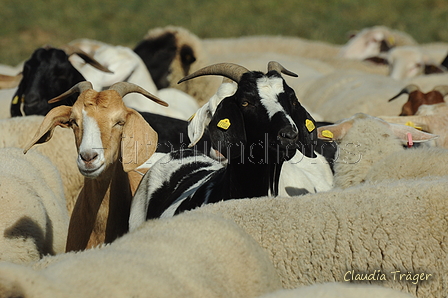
(158,54)
(173,134)
(255,146)
(47,74)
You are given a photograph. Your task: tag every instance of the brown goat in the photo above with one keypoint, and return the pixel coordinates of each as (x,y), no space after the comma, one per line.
(417,98)
(112,140)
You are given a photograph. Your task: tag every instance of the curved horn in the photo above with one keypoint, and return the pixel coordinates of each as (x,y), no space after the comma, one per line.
(443,89)
(124,88)
(8,82)
(228,70)
(406,90)
(71,50)
(273,65)
(80,87)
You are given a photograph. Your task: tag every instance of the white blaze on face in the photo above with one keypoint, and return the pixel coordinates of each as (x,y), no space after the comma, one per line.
(269,89)
(91,143)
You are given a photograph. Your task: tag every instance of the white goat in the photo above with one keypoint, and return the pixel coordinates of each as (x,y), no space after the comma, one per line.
(127,66)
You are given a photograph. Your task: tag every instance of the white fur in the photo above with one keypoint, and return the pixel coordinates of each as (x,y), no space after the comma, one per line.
(17,131)
(91,144)
(338,290)
(33,213)
(185,256)
(127,66)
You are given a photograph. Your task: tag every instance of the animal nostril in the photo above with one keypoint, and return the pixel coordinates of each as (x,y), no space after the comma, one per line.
(288,133)
(88,156)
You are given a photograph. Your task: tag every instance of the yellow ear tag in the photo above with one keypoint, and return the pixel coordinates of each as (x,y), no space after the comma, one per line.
(309,125)
(224,123)
(327,134)
(15,100)
(412,124)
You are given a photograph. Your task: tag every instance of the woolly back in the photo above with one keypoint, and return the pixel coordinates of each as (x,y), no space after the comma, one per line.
(366,142)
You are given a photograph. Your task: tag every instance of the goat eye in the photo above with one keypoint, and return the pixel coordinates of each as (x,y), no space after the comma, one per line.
(120,123)
(245,103)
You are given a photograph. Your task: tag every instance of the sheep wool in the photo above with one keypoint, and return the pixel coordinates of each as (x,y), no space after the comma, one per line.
(33,215)
(390,234)
(17,131)
(190,255)
(337,290)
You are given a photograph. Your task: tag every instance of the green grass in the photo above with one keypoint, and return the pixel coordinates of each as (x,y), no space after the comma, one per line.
(28,24)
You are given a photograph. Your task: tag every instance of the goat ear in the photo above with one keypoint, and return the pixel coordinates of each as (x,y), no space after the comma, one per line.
(59,116)
(197,124)
(138,143)
(227,130)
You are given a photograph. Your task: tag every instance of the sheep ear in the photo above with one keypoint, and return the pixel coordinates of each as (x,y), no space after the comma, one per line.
(138,143)
(227,130)
(58,116)
(335,131)
(401,132)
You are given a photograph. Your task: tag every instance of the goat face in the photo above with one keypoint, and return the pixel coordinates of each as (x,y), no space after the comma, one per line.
(106,131)
(263,118)
(97,122)
(46,74)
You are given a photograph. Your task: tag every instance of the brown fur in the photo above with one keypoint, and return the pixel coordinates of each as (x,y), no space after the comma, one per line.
(102,209)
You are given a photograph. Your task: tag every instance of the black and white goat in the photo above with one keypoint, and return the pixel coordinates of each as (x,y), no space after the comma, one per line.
(257,128)
(46,74)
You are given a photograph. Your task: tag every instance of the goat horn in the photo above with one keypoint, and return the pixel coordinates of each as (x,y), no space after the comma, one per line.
(443,89)
(80,87)
(228,70)
(124,88)
(8,82)
(406,90)
(71,50)
(273,65)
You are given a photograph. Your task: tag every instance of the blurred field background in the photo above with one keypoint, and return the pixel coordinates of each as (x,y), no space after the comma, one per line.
(28,24)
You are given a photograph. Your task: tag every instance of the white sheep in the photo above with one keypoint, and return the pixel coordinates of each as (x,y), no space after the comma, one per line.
(190,255)
(337,290)
(432,118)
(410,61)
(346,92)
(17,131)
(365,140)
(396,228)
(186,55)
(372,41)
(33,213)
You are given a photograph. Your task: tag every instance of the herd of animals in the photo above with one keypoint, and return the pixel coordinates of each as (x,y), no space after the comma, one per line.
(259,166)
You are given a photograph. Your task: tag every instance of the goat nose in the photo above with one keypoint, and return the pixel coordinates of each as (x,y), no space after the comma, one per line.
(288,133)
(88,156)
